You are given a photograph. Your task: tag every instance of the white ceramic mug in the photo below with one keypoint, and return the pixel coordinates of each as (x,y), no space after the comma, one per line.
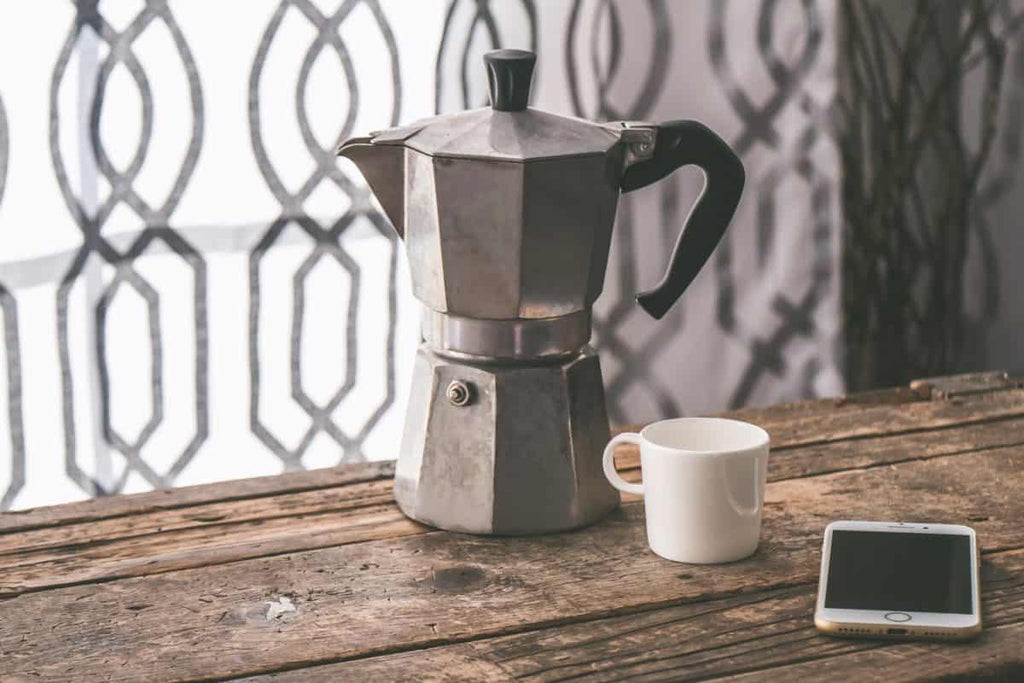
(703,486)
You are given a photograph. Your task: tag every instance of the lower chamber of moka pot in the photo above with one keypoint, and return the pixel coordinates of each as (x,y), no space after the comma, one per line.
(511,449)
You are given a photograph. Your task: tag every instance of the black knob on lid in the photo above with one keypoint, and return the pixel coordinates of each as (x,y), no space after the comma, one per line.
(509,73)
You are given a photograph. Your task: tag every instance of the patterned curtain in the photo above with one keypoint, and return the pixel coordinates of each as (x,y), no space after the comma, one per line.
(193,288)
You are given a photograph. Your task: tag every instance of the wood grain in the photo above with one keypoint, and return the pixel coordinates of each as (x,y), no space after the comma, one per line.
(846,421)
(964,385)
(188,548)
(810,423)
(223,531)
(768,632)
(790,424)
(317,575)
(205,516)
(432,589)
(996,656)
(167,499)
(789,462)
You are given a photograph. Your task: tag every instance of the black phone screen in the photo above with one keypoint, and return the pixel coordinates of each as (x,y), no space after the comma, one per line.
(905,572)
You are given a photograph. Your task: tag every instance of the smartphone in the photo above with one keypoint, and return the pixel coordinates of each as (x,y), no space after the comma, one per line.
(899,580)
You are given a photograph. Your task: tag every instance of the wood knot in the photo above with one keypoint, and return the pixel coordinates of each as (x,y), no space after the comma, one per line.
(458,579)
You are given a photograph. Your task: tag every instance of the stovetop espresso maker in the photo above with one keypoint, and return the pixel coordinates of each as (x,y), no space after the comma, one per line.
(507,214)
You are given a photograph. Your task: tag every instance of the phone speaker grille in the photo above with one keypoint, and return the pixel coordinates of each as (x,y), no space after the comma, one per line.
(865,631)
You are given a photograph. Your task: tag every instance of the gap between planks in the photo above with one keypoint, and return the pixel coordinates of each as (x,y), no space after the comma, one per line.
(954,666)
(163,551)
(218,510)
(789,420)
(339,668)
(643,624)
(190,496)
(198,495)
(519,582)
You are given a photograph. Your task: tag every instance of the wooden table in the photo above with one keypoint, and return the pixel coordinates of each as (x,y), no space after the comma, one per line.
(317,576)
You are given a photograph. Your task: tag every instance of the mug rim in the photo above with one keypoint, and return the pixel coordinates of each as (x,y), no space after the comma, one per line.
(763,440)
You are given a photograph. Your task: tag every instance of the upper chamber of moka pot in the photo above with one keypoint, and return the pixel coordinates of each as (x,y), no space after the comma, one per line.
(506,211)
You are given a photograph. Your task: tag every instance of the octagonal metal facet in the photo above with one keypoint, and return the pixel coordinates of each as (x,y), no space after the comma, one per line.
(501,240)
(523,456)
(488,134)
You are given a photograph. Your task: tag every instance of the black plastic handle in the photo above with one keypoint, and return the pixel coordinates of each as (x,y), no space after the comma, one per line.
(509,75)
(684,143)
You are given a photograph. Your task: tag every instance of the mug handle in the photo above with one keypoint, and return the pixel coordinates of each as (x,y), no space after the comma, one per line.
(609,464)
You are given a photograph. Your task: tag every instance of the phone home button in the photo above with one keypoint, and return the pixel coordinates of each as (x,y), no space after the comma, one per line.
(898,617)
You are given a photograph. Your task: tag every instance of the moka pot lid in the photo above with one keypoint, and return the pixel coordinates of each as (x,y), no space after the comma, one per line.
(508,130)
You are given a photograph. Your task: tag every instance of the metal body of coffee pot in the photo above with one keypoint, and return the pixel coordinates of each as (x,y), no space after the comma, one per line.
(507,215)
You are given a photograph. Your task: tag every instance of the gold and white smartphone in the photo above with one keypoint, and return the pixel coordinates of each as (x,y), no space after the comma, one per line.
(899,580)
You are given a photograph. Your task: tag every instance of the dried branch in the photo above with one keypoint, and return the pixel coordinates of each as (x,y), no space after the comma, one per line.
(911,180)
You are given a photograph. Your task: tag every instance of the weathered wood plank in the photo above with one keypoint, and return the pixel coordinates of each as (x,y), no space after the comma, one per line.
(790,463)
(778,418)
(207,516)
(803,461)
(855,418)
(938,388)
(218,532)
(860,420)
(996,656)
(420,591)
(789,423)
(713,639)
(198,547)
(119,507)
(166,499)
